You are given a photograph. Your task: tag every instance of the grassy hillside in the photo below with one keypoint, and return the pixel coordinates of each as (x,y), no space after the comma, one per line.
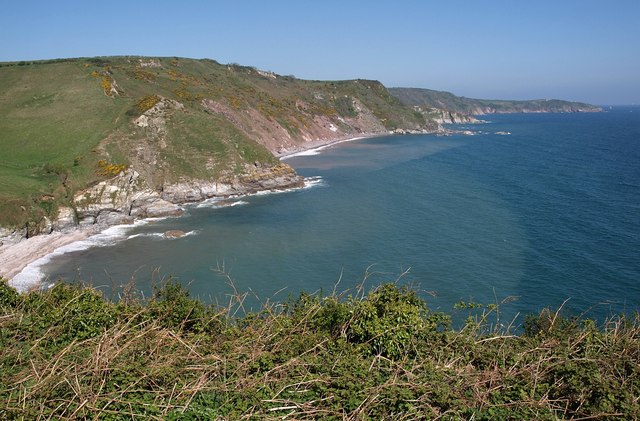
(69,354)
(451,102)
(68,123)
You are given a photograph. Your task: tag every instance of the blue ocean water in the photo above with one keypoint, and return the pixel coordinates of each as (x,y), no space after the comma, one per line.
(547,213)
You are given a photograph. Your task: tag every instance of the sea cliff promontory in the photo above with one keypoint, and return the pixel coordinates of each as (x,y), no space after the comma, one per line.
(92,142)
(469,106)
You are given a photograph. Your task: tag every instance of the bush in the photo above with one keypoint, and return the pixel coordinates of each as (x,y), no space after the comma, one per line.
(68,353)
(393,321)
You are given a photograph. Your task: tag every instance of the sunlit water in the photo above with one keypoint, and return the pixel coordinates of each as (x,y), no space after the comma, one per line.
(547,213)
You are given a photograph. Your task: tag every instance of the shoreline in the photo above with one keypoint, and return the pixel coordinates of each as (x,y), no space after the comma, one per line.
(16,257)
(20,260)
(309,148)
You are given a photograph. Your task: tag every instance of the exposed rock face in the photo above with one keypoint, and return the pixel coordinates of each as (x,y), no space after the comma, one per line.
(66,220)
(279,138)
(256,179)
(127,197)
(11,236)
(120,200)
(448,117)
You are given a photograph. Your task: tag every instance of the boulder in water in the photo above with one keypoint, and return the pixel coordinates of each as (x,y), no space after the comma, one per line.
(174,234)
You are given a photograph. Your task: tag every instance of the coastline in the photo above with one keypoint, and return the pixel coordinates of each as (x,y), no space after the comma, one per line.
(28,254)
(14,258)
(20,260)
(311,148)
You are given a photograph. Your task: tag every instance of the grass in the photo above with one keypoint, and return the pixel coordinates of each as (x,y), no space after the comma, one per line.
(68,353)
(61,117)
(450,102)
(52,114)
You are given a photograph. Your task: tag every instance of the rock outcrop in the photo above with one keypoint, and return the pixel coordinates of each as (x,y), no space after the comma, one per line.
(258,178)
(446,117)
(127,196)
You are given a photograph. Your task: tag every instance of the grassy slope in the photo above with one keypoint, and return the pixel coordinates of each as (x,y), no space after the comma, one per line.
(58,121)
(67,353)
(52,114)
(448,101)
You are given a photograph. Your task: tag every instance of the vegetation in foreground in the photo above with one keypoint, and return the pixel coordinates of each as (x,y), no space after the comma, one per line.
(68,353)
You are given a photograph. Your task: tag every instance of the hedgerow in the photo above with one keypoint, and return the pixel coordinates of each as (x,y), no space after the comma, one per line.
(70,353)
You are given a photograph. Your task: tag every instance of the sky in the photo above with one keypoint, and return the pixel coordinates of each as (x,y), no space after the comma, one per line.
(580,50)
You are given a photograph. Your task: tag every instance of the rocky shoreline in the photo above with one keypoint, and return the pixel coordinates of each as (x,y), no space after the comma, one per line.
(125,199)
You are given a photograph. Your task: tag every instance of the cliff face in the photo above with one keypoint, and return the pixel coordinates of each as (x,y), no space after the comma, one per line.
(446,117)
(470,106)
(104,140)
(179,125)
(127,196)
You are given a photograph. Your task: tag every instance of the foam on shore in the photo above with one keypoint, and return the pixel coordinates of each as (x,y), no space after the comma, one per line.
(319,149)
(32,275)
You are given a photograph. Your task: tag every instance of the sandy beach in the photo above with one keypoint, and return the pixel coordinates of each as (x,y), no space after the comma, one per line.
(318,145)
(15,257)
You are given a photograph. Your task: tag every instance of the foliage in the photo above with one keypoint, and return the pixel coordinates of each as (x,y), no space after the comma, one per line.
(393,321)
(68,353)
(448,101)
(344,107)
(107,169)
(56,111)
(147,103)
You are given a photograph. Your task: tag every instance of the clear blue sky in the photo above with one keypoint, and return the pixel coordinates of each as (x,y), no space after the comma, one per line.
(578,50)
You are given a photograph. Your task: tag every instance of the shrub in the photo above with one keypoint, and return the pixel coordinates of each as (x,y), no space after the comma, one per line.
(107,169)
(172,306)
(393,321)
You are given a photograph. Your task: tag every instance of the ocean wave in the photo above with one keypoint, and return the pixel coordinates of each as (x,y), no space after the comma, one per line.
(309,152)
(146,235)
(161,235)
(220,203)
(316,181)
(33,276)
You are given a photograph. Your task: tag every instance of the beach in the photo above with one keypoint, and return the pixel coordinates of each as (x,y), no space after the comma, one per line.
(15,257)
(314,147)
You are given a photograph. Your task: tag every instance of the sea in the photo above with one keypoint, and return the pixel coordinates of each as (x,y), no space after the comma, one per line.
(532,211)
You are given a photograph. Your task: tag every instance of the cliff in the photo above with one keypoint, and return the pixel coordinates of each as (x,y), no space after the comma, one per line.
(136,135)
(469,106)
(103,140)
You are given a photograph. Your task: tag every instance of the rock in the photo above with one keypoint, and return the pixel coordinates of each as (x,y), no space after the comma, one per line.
(66,219)
(9,236)
(47,226)
(155,207)
(87,221)
(174,234)
(109,218)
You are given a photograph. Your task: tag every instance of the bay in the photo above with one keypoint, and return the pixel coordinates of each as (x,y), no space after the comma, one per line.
(547,213)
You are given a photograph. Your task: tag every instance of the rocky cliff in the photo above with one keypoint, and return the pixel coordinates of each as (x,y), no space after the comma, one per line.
(116,138)
(106,140)
(470,106)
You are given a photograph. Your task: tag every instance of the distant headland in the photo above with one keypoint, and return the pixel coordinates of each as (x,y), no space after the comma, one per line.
(92,142)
